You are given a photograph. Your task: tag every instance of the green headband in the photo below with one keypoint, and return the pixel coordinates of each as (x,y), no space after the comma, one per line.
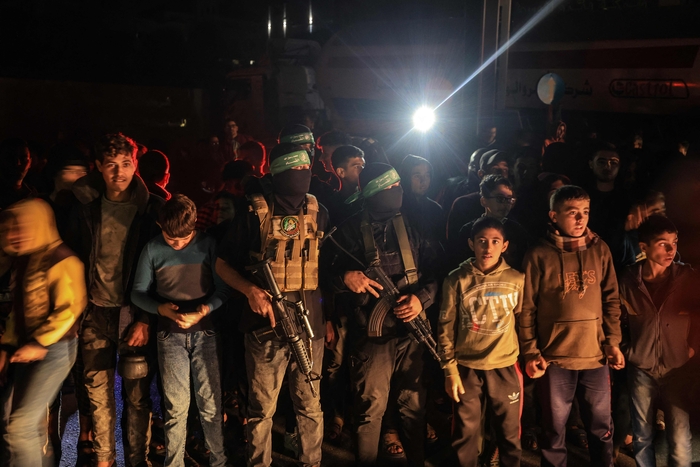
(378,184)
(298,138)
(286,162)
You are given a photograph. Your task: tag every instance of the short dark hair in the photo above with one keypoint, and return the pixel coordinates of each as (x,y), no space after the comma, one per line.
(333,138)
(178,216)
(599,147)
(492,181)
(343,154)
(654,226)
(484,223)
(153,166)
(114,144)
(567,193)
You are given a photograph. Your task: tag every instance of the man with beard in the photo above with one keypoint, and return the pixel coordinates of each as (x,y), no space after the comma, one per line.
(384,359)
(284,227)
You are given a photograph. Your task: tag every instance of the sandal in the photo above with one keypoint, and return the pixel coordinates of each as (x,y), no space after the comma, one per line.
(393,448)
(86,452)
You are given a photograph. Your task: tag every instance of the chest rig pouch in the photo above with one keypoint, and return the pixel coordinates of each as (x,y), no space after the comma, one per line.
(381,317)
(291,242)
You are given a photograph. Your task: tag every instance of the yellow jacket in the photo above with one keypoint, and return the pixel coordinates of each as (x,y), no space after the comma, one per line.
(48,279)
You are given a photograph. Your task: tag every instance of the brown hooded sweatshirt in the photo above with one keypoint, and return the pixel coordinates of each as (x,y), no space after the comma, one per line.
(571,304)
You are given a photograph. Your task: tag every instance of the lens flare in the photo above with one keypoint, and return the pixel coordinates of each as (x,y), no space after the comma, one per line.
(423,119)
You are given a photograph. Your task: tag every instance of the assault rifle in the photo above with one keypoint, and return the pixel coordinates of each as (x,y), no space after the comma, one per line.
(418,327)
(292,320)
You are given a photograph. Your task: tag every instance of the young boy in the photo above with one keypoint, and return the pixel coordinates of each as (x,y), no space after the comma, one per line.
(660,299)
(570,327)
(479,345)
(175,278)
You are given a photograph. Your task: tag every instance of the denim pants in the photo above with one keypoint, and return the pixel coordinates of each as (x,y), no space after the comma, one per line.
(671,392)
(557,389)
(99,344)
(379,368)
(267,364)
(25,400)
(195,357)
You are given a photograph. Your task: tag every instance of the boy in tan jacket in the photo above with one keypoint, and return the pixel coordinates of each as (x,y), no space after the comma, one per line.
(479,345)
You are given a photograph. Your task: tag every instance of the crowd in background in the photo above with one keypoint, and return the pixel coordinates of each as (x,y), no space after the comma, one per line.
(512,183)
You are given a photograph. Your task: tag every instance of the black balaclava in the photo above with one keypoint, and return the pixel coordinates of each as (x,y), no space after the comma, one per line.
(291,186)
(386,204)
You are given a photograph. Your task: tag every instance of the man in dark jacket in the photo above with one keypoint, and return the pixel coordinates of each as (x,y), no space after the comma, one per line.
(661,303)
(283,227)
(382,356)
(114,217)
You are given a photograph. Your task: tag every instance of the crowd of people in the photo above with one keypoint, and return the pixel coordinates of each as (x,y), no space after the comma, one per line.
(545,282)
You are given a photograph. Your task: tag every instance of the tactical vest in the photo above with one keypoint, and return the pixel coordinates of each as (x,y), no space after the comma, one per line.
(291,242)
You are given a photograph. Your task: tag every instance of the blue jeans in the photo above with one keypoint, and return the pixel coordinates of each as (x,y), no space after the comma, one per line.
(557,389)
(194,355)
(267,364)
(672,393)
(30,389)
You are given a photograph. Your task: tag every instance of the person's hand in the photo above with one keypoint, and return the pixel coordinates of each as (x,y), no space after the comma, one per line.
(454,387)
(29,353)
(260,303)
(636,216)
(536,367)
(616,360)
(187,320)
(138,335)
(169,310)
(409,307)
(357,282)
(331,339)
(4,365)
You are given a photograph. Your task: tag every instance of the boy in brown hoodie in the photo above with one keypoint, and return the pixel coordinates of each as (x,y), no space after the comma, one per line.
(570,327)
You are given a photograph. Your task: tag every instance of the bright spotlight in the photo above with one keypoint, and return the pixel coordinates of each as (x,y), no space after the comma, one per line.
(423,119)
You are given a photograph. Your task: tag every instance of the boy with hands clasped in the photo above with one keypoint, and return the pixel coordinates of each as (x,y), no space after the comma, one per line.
(479,345)
(570,327)
(175,278)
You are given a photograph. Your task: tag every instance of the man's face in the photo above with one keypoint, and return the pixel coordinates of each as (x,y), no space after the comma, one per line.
(226,209)
(15,167)
(662,249)
(66,177)
(117,172)
(231,129)
(571,217)
(420,180)
(350,176)
(605,165)
(16,237)
(526,170)
(499,203)
(178,243)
